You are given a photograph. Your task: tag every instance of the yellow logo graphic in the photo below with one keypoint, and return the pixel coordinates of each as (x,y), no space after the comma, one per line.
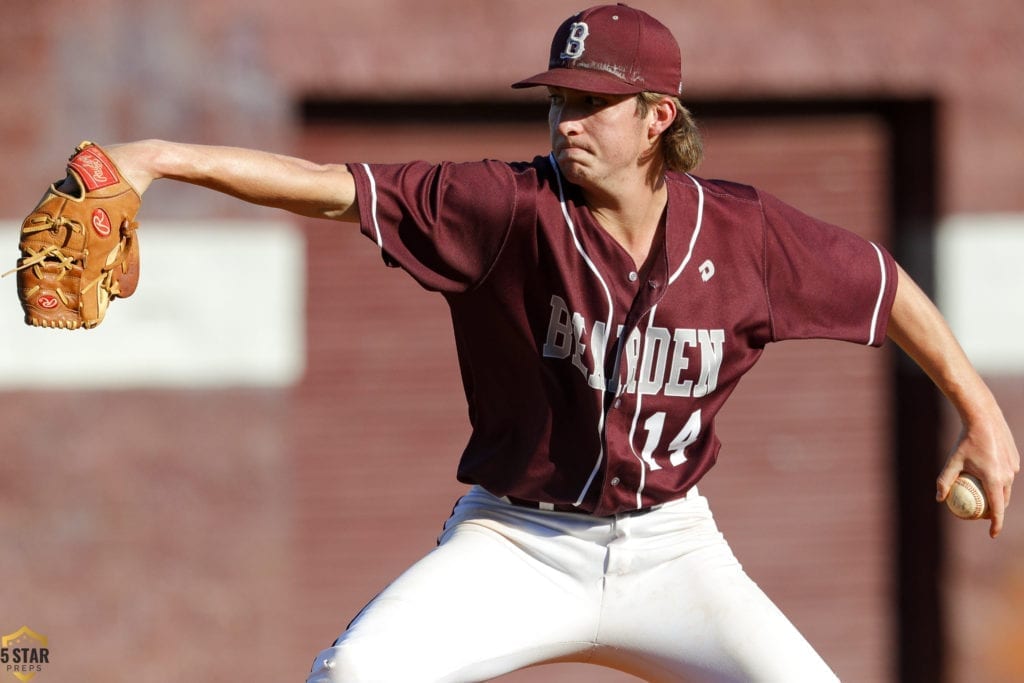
(23,653)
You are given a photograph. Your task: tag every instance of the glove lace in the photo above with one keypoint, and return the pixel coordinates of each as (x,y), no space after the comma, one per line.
(52,254)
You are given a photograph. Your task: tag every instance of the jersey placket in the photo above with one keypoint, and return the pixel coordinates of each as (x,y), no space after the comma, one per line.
(624,468)
(617,480)
(626,463)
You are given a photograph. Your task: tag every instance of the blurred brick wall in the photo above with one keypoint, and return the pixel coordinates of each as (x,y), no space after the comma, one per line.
(146,534)
(226,72)
(196,554)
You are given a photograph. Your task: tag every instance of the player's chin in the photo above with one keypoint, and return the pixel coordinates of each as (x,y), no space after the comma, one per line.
(573,169)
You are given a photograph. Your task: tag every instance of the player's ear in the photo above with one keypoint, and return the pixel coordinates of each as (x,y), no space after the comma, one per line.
(663,115)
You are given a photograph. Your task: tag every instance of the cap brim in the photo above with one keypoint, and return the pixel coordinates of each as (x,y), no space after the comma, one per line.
(586,80)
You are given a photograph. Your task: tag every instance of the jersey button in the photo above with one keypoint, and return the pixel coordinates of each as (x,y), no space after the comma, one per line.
(633,277)
(616,481)
(618,403)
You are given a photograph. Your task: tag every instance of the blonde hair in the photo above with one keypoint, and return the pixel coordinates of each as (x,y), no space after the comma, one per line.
(681,144)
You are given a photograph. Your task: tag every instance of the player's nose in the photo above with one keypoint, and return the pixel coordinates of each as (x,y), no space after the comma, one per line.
(566,126)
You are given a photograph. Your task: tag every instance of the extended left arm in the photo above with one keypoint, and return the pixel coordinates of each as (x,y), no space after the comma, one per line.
(985,447)
(254,176)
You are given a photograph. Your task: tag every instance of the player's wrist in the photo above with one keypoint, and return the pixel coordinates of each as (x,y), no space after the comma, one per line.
(143,161)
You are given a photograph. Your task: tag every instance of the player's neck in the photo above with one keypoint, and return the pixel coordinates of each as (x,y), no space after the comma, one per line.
(632,217)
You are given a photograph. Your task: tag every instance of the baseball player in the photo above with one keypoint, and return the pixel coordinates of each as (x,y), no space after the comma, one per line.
(605,303)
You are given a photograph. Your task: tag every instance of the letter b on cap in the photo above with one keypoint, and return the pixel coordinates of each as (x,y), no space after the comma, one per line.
(574,47)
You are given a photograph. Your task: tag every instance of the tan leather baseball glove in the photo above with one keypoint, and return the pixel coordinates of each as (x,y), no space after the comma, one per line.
(78,246)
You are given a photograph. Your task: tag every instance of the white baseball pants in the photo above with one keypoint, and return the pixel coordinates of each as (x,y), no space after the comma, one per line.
(656,594)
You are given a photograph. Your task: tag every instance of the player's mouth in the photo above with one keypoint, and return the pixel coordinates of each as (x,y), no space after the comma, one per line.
(569,150)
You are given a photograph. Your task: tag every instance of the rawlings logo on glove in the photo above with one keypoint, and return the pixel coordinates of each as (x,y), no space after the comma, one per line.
(78,246)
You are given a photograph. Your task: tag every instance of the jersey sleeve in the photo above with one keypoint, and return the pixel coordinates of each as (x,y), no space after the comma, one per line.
(444,224)
(822,281)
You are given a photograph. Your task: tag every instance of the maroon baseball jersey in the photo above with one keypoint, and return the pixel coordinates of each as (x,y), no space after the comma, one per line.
(592,386)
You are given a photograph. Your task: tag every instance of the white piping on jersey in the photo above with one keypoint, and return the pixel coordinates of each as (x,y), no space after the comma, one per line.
(608,322)
(881,295)
(654,309)
(373,206)
(696,229)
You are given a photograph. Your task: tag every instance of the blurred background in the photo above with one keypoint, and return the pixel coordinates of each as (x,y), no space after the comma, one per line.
(212,483)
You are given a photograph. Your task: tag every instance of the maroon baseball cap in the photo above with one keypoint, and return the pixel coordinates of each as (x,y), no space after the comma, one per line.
(614,50)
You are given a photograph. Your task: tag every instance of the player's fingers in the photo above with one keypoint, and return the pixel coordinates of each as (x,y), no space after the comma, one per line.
(1014,471)
(997,510)
(945,481)
(997,525)
(999,493)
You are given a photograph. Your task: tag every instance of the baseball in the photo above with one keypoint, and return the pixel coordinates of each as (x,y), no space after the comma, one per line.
(967,498)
